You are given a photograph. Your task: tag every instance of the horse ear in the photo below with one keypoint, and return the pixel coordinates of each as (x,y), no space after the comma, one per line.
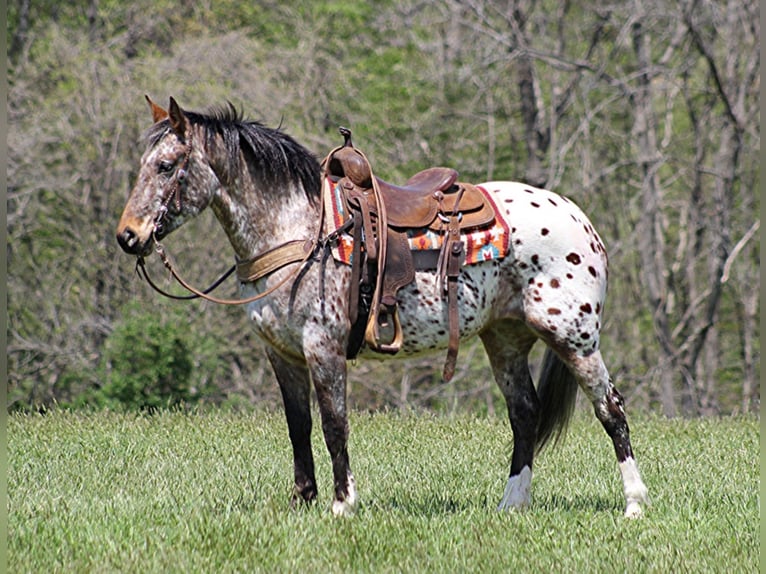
(177,118)
(158,113)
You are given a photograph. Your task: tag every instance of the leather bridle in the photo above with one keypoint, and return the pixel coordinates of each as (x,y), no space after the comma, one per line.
(173,191)
(248,271)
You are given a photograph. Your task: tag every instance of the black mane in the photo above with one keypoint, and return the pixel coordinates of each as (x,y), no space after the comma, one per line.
(274,157)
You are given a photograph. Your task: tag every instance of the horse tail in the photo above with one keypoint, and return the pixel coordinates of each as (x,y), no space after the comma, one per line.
(556,391)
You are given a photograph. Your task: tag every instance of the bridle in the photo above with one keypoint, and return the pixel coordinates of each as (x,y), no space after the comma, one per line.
(173,192)
(248,271)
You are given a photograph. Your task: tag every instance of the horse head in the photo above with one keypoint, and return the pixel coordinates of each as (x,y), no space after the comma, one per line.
(175,182)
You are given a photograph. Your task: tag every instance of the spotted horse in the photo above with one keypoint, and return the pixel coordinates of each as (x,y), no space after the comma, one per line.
(265,190)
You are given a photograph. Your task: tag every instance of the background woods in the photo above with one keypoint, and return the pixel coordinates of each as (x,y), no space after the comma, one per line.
(646,113)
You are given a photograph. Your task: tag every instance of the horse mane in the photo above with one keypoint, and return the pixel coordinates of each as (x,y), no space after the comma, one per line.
(273,156)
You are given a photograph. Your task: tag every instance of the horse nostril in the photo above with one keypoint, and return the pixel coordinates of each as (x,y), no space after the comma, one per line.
(128,240)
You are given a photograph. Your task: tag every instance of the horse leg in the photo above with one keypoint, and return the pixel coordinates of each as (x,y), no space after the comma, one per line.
(594,379)
(328,372)
(295,386)
(507,345)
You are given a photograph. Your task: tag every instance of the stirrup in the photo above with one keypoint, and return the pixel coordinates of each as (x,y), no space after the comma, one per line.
(372,334)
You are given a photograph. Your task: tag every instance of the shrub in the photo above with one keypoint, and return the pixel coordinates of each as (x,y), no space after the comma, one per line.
(148,364)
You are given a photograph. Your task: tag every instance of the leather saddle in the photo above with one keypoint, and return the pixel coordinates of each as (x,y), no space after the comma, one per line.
(382,262)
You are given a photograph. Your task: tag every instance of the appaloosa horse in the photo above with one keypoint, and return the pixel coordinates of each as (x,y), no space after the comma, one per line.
(265,188)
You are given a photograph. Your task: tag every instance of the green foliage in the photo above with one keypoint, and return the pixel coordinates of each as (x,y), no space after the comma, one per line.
(152,360)
(148,364)
(210,492)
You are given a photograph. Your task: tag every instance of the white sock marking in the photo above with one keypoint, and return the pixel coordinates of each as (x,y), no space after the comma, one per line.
(517,493)
(346,507)
(635,490)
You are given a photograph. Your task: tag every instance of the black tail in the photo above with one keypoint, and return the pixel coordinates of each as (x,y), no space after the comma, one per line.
(557,391)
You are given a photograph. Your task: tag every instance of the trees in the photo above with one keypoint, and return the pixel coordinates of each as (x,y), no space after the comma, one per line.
(645,113)
(661,75)
(704,81)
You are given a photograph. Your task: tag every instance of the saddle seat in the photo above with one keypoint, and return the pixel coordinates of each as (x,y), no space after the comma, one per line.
(422,185)
(417,203)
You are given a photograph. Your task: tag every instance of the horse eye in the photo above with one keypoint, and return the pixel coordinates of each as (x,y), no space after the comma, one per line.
(165,166)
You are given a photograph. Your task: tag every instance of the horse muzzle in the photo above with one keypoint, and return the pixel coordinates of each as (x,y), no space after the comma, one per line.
(135,237)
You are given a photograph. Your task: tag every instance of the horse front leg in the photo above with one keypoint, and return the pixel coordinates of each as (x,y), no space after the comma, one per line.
(327,363)
(294,383)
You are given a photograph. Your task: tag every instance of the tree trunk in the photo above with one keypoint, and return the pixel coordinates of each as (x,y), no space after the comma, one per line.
(651,239)
(537,135)
(750,393)
(19,39)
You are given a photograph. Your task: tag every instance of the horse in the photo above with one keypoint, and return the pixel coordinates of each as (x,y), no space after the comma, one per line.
(265,190)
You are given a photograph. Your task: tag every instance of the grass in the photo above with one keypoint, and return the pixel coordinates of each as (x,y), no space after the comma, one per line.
(209,492)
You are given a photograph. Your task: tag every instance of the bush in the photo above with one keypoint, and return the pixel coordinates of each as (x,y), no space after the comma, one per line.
(148,364)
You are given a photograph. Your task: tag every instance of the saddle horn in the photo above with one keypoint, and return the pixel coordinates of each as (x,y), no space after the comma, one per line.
(346,133)
(347,161)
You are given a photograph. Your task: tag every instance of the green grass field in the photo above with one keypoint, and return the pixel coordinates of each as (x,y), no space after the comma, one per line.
(209,492)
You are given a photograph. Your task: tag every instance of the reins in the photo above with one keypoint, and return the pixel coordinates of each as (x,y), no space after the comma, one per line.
(274,259)
(142,272)
(248,271)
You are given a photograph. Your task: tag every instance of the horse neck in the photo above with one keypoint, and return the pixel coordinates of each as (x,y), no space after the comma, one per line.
(256,216)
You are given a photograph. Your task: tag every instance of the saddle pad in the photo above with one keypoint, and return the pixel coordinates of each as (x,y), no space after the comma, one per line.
(481,244)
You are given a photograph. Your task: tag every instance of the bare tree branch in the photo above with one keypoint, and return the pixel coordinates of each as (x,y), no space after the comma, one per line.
(737,248)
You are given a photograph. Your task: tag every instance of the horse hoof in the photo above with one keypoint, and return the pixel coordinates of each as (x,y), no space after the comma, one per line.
(347,506)
(505,507)
(343,508)
(633,510)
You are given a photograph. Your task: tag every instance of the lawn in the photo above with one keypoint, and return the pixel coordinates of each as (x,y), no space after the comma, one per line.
(208,492)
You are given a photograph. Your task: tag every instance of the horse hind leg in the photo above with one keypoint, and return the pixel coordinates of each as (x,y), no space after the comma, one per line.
(507,345)
(594,379)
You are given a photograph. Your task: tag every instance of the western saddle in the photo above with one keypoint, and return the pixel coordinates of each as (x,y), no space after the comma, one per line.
(382,262)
